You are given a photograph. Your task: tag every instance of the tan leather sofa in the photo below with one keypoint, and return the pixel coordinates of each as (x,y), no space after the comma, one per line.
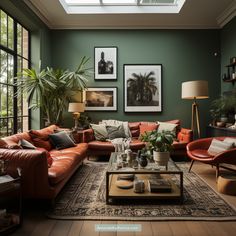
(39,180)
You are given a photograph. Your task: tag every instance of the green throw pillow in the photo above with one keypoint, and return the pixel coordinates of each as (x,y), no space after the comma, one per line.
(116,132)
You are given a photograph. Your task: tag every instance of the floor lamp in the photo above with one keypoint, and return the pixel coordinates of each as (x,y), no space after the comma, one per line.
(195,90)
(76,108)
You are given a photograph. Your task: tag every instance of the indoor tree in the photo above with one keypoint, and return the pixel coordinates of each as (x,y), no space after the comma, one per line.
(52,89)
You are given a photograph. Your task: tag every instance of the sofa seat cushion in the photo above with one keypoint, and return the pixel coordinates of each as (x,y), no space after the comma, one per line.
(135,144)
(201,153)
(64,161)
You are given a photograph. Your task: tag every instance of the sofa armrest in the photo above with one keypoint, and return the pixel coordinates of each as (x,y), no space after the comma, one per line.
(185,135)
(34,169)
(88,135)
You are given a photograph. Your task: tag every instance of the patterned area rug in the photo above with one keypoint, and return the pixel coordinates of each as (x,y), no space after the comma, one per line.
(84,198)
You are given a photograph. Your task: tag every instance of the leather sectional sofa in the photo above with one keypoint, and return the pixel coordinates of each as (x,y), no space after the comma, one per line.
(38,179)
(99,148)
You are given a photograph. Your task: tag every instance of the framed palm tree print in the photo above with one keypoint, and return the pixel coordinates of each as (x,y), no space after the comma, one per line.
(142,88)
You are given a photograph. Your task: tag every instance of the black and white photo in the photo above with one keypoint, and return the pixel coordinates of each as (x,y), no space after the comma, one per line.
(142,88)
(100,99)
(105,63)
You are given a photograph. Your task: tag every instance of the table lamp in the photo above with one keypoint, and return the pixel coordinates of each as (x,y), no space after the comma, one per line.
(195,90)
(76,108)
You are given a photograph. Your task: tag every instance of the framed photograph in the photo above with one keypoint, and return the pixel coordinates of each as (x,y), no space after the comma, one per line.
(142,88)
(105,63)
(100,99)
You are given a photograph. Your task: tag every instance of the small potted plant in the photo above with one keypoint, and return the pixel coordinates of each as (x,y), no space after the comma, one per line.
(160,144)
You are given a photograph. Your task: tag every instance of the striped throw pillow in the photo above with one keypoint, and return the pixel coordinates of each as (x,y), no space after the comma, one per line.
(218,146)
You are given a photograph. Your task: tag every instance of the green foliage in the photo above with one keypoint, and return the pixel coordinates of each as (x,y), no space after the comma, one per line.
(223,105)
(158,141)
(84,121)
(52,89)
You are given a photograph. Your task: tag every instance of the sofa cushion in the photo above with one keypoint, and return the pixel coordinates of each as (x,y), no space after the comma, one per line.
(147,128)
(218,146)
(9,145)
(166,126)
(134,129)
(61,140)
(100,132)
(115,132)
(26,144)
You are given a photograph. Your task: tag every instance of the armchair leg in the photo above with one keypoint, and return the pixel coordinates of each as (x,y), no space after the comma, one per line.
(191,165)
(217,171)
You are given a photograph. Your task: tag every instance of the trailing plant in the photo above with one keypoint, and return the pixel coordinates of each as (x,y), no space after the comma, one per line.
(52,89)
(158,141)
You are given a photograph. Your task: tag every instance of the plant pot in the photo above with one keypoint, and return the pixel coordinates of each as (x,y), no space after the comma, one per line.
(143,160)
(161,158)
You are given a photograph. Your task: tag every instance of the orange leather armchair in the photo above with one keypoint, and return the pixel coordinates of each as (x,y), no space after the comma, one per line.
(198,151)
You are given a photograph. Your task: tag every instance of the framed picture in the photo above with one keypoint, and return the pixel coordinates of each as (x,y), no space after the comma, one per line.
(100,99)
(105,63)
(142,88)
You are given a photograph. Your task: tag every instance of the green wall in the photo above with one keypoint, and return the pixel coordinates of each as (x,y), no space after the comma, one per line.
(40,40)
(185,55)
(228,50)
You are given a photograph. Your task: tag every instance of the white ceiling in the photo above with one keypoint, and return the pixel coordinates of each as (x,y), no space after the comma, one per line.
(195,14)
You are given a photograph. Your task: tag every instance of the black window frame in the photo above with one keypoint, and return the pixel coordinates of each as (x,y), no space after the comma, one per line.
(16,55)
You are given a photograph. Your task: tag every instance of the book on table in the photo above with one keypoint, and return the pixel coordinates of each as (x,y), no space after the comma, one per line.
(159,186)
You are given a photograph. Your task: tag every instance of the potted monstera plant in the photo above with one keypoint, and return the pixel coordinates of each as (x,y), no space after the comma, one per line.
(160,144)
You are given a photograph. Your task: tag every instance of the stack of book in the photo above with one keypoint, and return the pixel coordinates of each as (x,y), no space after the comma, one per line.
(159,186)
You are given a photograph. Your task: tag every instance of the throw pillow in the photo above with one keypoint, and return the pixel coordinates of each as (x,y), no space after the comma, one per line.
(115,132)
(61,140)
(26,144)
(11,145)
(40,139)
(218,146)
(165,126)
(147,128)
(231,140)
(117,123)
(100,132)
(69,132)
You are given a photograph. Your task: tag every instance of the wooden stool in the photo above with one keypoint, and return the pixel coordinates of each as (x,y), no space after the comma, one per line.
(226,184)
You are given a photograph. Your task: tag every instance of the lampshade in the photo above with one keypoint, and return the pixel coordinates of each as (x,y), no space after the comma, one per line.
(195,89)
(76,107)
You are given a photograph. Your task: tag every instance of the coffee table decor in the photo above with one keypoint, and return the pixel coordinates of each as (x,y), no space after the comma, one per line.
(84,197)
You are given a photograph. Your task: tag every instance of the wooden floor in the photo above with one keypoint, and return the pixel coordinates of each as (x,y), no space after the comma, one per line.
(36,224)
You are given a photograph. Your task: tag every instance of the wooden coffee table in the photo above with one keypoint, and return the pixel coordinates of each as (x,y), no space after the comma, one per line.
(173,174)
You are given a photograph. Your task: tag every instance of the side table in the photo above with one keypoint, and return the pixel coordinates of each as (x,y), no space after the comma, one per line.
(10,204)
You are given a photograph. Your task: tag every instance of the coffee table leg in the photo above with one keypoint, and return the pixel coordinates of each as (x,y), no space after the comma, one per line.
(107,188)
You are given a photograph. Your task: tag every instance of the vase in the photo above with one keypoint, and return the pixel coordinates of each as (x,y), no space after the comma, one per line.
(143,160)
(161,158)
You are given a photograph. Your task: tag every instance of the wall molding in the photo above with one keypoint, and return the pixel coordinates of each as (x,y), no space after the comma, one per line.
(228,14)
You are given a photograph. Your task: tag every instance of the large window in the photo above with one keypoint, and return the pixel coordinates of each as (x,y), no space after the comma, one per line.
(14,56)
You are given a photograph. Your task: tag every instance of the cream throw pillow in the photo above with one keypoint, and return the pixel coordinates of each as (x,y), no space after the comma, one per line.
(231,140)
(218,146)
(165,126)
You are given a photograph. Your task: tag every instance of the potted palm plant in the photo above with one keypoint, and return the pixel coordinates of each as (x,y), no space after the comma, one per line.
(160,144)
(52,89)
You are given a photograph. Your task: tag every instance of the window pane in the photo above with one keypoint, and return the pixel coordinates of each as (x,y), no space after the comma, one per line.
(3,101)
(3,127)
(19,64)
(25,43)
(19,39)
(10,69)
(10,126)
(10,100)
(25,64)
(3,28)
(19,124)
(3,67)
(25,124)
(10,33)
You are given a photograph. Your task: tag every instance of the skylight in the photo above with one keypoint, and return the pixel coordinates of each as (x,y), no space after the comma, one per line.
(121,6)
